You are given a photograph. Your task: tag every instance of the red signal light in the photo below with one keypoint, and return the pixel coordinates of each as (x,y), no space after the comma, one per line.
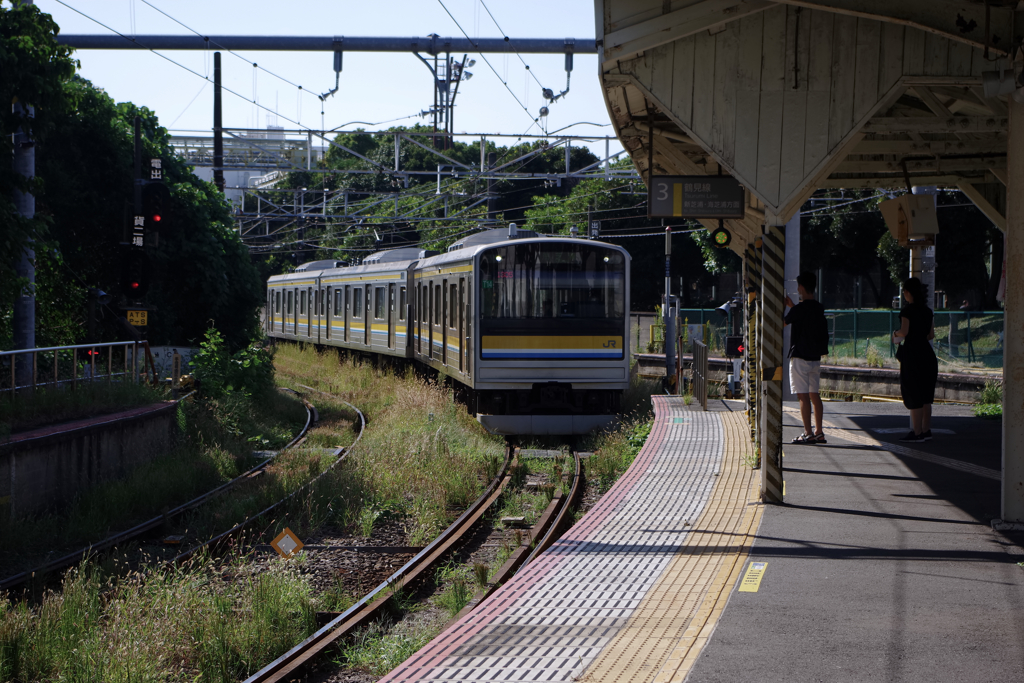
(740,348)
(156,218)
(134,285)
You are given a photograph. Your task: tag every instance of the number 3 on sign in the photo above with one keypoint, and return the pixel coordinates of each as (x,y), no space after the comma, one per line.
(662,189)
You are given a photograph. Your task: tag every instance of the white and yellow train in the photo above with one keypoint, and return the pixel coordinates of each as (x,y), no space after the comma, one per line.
(535,329)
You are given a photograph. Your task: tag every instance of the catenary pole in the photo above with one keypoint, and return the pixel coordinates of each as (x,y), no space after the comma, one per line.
(24,314)
(218,127)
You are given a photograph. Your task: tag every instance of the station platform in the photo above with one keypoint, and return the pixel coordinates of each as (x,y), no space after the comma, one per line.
(880,566)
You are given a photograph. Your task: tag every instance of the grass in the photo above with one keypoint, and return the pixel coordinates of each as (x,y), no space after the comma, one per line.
(214,448)
(423,458)
(382,646)
(615,451)
(170,625)
(47,406)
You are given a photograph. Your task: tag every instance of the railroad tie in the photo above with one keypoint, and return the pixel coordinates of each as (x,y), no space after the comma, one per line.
(772,304)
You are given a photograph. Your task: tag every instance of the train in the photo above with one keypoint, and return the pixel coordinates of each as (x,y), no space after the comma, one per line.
(532,329)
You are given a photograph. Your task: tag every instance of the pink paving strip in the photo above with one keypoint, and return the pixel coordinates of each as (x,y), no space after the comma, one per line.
(519,586)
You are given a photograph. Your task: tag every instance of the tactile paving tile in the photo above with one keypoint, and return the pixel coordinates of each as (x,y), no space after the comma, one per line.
(551,621)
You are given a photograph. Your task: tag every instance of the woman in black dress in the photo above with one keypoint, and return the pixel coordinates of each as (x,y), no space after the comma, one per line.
(919,369)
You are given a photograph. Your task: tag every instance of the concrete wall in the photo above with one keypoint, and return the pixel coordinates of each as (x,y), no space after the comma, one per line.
(45,469)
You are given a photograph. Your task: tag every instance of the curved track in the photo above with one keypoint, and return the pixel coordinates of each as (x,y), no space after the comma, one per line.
(364,611)
(140,529)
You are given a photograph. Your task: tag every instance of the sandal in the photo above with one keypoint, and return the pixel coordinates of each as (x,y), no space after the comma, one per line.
(819,438)
(803,439)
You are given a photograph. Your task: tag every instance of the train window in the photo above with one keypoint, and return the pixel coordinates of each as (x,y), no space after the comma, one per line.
(379,303)
(437,304)
(290,304)
(453,316)
(302,302)
(312,310)
(277,302)
(531,281)
(337,302)
(314,296)
(323,303)
(401,303)
(357,303)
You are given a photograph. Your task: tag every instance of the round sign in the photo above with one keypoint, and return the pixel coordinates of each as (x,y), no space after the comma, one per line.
(721,237)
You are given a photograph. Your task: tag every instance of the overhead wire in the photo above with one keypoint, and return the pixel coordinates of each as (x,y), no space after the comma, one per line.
(488,62)
(509,41)
(228,50)
(182,66)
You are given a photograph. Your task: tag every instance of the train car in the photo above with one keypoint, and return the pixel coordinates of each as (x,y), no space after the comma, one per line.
(362,308)
(534,328)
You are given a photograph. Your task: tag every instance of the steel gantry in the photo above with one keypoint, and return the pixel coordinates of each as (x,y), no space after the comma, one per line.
(292,150)
(796,95)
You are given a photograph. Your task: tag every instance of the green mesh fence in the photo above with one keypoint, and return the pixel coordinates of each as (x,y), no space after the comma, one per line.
(962,338)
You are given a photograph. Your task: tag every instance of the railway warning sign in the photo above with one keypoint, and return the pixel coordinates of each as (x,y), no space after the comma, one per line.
(287,543)
(696,196)
(138,318)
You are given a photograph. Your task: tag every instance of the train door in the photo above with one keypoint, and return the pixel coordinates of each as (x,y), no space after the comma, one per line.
(321,328)
(402,333)
(367,316)
(445,321)
(309,311)
(422,313)
(461,327)
(346,312)
(330,311)
(391,313)
(357,314)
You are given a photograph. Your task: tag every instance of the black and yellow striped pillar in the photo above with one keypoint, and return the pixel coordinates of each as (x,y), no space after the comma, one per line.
(752,281)
(773,294)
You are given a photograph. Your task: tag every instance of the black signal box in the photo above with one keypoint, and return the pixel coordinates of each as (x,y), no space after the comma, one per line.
(734,346)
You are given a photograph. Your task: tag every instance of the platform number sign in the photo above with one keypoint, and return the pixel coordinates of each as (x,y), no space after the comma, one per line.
(696,197)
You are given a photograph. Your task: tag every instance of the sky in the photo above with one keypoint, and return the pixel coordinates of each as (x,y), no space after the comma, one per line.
(375,87)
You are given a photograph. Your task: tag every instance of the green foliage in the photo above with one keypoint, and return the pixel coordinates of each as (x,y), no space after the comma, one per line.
(992,393)
(989,411)
(218,372)
(34,68)
(200,271)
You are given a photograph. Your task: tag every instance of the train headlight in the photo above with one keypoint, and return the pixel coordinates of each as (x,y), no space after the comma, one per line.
(497,258)
(606,259)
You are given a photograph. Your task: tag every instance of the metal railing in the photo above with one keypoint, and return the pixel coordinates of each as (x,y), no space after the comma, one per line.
(54,366)
(700,373)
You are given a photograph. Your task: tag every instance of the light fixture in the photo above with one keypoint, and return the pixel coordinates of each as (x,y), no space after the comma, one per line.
(999,82)
(543,111)
(466,75)
(606,259)
(471,62)
(497,258)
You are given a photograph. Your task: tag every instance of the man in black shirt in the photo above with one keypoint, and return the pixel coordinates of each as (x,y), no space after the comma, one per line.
(809,342)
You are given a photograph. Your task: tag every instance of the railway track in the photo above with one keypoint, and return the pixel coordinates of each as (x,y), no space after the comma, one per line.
(549,526)
(140,530)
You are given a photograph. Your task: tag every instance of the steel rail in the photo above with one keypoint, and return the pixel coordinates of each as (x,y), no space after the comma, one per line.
(555,530)
(430,44)
(139,529)
(546,528)
(340,454)
(364,610)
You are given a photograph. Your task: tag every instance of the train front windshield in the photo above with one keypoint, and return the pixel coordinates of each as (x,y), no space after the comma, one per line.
(559,288)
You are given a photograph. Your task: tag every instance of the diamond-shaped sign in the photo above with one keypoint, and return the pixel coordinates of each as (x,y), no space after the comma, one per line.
(287,543)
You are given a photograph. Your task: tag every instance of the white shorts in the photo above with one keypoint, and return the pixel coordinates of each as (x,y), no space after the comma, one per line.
(804,376)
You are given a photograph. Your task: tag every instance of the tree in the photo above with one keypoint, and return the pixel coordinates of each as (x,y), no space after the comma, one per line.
(34,69)
(201,271)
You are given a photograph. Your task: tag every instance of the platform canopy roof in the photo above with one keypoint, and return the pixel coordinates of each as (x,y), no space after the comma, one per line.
(793,96)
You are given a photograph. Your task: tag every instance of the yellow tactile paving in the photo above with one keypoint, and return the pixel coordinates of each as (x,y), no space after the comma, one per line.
(670,627)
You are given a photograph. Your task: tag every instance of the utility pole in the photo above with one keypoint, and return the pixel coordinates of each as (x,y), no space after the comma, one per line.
(492,198)
(667,315)
(218,129)
(24,313)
